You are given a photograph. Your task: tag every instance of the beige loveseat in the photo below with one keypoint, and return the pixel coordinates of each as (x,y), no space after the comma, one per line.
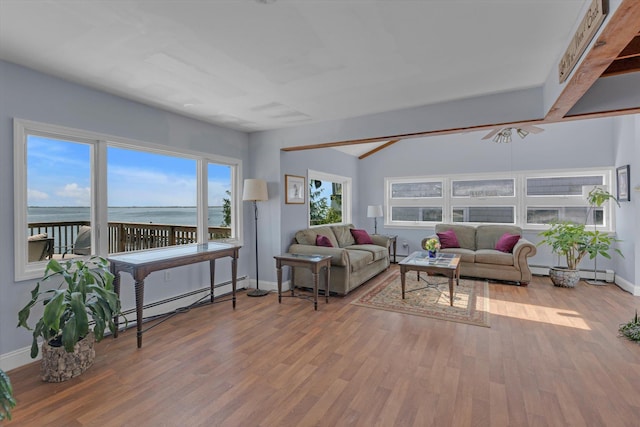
(351,264)
(479,258)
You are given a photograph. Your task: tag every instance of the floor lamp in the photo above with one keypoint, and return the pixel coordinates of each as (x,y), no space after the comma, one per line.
(374,211)
(255,190)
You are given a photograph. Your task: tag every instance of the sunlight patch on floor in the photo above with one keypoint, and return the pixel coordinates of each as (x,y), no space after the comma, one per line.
(538,313)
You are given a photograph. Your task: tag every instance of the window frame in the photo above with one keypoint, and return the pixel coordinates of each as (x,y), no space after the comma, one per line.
(520,201)
(346,183)
(25,270)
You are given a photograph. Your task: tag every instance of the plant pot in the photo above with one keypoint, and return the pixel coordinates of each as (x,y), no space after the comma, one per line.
(58,365)
(563,277)
(432,254)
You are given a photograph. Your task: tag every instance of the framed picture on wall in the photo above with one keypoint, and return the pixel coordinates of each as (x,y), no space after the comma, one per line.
(623,182)
(294,189)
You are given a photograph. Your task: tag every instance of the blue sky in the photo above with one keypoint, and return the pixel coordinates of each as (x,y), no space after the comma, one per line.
(59,175)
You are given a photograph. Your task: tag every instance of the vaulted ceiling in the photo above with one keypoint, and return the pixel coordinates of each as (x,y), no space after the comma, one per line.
(264,64)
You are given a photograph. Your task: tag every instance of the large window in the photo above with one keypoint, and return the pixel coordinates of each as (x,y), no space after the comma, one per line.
(329,199)
(79,193)
(531,199)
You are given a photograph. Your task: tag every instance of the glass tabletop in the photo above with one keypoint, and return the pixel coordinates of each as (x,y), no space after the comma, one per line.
(421,258)
(170,252)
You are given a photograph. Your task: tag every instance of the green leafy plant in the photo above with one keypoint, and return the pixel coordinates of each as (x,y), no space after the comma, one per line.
(574,242)
(85,289)
(6,396)
(631,330)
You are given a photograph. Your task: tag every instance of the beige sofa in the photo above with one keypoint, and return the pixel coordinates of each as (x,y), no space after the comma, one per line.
(479,258)
(351,264)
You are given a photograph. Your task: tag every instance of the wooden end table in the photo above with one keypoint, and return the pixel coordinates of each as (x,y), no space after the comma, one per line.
(445,264)
(315,263)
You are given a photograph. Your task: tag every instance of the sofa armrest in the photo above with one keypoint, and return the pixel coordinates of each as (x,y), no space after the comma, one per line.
(381,240)
(521,251)
(339,256)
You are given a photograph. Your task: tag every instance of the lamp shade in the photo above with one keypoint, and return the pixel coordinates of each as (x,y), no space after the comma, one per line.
(255,190)
(374,211)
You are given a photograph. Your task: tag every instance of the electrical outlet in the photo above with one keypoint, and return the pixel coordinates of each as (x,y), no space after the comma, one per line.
(405,244)
(167,275)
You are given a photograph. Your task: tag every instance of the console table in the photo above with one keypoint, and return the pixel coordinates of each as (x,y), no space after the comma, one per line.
(141,263)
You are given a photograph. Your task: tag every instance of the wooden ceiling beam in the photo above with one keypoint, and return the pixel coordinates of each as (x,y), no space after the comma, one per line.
(375,150)
(617,34)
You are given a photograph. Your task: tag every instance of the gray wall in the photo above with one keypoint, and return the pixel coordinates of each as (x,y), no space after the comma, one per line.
(30,95)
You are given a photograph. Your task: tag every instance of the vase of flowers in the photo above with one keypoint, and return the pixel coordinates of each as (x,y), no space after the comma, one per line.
(432,245)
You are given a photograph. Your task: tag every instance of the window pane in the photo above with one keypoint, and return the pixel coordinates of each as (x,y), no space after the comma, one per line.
(220,201)
(58,198)
(325,202)
(548,215)
(490,214)
(416,189)
(483,188)
(152,200)
(416,214)
(560,186)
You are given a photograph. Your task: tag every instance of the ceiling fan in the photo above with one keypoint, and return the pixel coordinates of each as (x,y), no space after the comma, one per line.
(504,134)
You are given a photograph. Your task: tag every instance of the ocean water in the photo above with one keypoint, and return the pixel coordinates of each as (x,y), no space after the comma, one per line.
(154,215)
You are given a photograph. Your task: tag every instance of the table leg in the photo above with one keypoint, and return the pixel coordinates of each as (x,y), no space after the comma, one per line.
(234,276)
(326,285)
(139,286)
(293,278)
(315,290)
(212,274)
(116,289)
(394,250)
(279,272)
(451,290)
(402,274)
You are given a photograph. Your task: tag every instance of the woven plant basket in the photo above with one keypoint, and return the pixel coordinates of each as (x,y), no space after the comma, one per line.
(563,277)
(58,365)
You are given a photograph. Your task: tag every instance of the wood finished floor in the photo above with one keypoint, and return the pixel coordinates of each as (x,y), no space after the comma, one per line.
(552,357)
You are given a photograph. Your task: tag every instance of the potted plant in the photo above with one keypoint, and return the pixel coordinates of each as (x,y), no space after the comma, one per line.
(574,242)
(6,396)
(84,290)
(630,330)
(432,245)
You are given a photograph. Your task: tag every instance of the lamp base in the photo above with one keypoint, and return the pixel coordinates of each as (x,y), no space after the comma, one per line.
(596,282)
(257,293)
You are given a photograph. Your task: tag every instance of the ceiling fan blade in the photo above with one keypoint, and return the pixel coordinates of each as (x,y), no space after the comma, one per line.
(532,129)
(492,133)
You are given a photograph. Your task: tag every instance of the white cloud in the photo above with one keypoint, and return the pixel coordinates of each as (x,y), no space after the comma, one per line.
(33,195)
(81,195)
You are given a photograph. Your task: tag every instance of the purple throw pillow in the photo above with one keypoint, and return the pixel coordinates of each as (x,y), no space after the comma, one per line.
(361,236)
(507,242)
(323,241)
(448,239)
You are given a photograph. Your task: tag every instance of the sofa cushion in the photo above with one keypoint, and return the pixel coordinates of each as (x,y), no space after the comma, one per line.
(507,242)
(378,252)
(466,234)
(323,241)
(448,239)
(361,236)
(487,235)
(466,255)
(343,235)
(36,237)
(308,236)
(359,259)
(492,256)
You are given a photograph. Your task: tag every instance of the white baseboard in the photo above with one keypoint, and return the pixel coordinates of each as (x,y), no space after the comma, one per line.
(628,286)
(606,275)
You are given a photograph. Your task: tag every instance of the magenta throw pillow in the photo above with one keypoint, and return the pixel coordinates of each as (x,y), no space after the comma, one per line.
(448,239)
(323,241)
(507,242)
(361,236)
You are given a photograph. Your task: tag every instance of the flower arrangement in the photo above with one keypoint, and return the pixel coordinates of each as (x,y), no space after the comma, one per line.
(432,244)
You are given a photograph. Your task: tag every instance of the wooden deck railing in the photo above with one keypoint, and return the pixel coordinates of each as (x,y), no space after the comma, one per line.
(126,236)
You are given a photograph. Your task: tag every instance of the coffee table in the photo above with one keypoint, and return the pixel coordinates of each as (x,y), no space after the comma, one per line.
(445,264)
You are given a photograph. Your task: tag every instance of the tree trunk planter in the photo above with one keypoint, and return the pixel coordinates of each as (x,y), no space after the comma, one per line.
(564,277)
(58,365)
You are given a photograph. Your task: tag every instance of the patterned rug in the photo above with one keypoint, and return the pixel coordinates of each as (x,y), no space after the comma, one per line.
(470,303)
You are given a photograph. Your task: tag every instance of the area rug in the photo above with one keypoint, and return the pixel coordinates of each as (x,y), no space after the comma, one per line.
(470,303)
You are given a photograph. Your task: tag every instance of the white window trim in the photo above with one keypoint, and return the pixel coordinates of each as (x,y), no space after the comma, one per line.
(520,200)
(99,216)
(346,194)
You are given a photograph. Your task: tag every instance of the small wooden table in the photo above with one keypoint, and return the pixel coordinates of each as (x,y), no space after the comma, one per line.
(315,263)
(141,263)
(445,264)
